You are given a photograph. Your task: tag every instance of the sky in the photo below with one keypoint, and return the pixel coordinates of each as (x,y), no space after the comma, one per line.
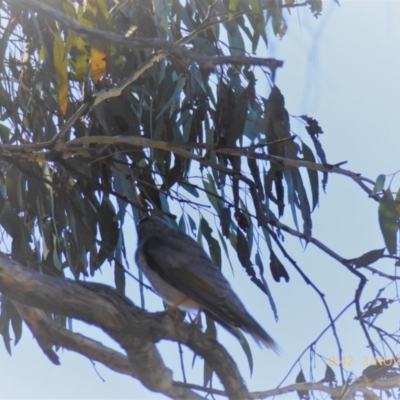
(341,69)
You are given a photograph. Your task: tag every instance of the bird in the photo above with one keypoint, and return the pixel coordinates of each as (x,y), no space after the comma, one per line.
(183,274)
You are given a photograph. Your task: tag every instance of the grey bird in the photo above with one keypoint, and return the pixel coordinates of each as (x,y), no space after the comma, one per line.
(182,273)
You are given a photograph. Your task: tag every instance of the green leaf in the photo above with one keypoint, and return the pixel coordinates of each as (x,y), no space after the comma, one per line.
(5,317)
(3,189)
(47,237)
(222,240)
(4,133)
(5,332)
(368,258)
(189,188)
(60,61)
(278,271)
(291,195)
(312,175)
(232,8)
(56,260)
(330,376)
(256,7)
(102,14)
(380,183)
(315,7)
(225,218)
(181,224)
(12,223)
(141,288)
(303,394)
(176,85)
(88,17)
(81,58)
(109,230)
(245,346)
(193,226)
(242,249)
(211,331)
(258,23)
(164,203)
(303,203)
(387,215)
(254,123)
(211,192)
(123,187)
(267,238)
(213,244)
(278,23)
(260,265)
(319,150)
(16,323)
(397,203)
(14,187)
(119,272)
(255,173)
(235,39)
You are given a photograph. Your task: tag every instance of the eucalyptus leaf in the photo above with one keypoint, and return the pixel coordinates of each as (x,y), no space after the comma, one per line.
(379,183)
(213,244)
(388,219)
(246,348)
(368,258)
(312,175)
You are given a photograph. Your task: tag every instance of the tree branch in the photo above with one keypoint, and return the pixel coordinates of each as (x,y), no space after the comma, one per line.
(162,45)
(231,151)
(48,334)
(133,328)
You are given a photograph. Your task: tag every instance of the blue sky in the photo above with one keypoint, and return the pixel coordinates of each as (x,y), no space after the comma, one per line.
(343,70)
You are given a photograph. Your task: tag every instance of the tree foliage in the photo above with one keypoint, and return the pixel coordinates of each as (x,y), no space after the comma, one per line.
(114,110)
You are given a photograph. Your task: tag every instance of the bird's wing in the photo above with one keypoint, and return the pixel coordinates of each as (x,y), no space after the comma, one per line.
(183,264)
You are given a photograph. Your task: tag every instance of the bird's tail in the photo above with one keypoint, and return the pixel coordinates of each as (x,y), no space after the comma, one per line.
(259,334)
(247,323)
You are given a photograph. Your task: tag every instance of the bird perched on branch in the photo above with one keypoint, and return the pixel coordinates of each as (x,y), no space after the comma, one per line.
(183,274)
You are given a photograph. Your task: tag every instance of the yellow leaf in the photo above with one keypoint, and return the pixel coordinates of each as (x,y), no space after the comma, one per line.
(289,3)
(232,8)
(98,63)
(61,71)
(282,30)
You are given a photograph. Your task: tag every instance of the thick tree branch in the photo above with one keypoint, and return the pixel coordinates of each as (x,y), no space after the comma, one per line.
(133,328)
(49,334)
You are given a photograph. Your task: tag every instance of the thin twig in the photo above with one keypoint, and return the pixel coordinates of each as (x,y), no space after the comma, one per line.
(319,293)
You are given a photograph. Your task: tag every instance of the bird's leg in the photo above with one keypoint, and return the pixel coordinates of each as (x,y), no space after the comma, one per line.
(175,306)
(197,319)
(172,308)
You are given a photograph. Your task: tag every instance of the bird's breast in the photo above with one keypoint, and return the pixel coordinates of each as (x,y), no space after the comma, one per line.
(170,295)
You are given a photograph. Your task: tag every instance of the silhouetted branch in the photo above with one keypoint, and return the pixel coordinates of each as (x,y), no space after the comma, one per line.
(134,329)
